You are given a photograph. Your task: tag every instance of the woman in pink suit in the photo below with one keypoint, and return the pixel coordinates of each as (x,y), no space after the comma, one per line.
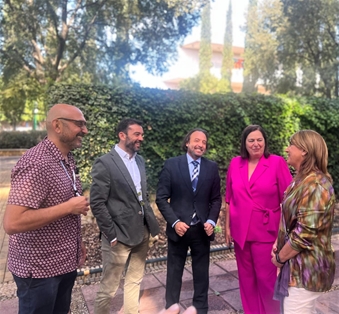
(255,184)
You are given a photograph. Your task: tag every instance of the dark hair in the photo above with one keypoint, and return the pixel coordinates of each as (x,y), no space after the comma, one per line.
(125,123)
(249,129)
(188,137)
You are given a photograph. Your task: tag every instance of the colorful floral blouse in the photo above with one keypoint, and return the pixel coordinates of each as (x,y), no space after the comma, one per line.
(307,212)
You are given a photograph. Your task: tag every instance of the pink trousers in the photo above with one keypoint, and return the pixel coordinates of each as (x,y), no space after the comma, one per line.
(257,276)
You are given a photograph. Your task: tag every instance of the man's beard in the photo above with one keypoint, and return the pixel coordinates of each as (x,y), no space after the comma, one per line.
(74,142)
(130,145)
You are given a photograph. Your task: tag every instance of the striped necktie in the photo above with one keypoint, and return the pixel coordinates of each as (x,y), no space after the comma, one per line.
(195,175)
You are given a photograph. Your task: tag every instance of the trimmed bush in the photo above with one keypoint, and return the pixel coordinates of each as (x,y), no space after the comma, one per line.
(16,139)
(168,115)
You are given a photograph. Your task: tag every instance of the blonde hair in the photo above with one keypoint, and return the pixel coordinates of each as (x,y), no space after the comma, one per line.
(316,157)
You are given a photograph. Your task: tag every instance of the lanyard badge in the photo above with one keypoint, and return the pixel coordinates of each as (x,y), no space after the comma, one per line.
(75,190)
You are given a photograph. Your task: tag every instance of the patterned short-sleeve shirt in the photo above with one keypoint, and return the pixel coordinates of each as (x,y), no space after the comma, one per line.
(39,180)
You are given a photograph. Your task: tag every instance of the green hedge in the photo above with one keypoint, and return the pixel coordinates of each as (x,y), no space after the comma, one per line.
(17,139)
(169,114)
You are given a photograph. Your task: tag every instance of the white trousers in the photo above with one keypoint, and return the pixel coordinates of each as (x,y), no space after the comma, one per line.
(300,301)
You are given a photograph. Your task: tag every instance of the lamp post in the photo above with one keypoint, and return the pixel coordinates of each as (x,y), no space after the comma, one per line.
(35,112)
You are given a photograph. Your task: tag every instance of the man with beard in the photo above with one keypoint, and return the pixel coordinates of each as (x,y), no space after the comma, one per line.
(119,201)
(42,216)
(188,196)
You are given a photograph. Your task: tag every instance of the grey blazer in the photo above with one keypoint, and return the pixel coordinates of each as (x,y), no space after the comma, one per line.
(114,200)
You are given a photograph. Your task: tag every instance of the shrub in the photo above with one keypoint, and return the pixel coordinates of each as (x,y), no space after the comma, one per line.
(168,115)
(17,139)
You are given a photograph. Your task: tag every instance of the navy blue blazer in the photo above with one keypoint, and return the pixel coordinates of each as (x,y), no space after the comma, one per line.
(175,197)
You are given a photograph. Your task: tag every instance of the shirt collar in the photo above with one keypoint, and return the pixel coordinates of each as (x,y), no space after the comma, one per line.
(122,153)
(55,151)
(190,159)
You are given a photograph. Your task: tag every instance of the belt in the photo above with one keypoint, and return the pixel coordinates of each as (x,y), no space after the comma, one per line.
(267,216)
(196,225)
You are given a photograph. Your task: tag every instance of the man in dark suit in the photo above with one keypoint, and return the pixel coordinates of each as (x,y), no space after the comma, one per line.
(120,204)
(188,197)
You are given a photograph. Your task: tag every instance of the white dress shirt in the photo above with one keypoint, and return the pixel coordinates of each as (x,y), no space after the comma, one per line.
(132,168)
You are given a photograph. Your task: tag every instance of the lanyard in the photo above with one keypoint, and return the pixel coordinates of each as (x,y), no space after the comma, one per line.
(76,193)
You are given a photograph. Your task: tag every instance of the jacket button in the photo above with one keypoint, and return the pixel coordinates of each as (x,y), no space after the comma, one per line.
(140,212)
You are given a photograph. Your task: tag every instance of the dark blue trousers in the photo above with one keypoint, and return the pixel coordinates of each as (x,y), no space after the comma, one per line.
(45,295)
(196,239)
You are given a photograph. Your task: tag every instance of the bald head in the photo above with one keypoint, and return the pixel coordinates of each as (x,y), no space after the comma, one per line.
(66,126)
(61,111)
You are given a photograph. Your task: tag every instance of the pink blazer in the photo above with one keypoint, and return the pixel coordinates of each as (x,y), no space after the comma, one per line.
(255,203)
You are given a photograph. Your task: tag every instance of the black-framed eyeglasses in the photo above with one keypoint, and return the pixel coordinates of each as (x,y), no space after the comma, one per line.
(79,123)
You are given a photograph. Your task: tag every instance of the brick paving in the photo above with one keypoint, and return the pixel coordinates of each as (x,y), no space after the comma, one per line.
(224,297)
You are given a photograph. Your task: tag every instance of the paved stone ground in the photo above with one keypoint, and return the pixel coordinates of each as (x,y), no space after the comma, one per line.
(224,297)
(6,164)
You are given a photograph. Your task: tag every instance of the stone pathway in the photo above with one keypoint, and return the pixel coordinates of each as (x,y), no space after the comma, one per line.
(6,164)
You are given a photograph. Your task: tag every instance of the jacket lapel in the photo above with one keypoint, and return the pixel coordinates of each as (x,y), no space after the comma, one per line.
(261,167)
(202,174)
(243,169)
(124,171)
(142,177)
(185,172)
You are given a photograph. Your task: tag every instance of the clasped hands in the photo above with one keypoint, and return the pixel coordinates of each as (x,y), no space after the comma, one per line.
(181,228)
(273,255)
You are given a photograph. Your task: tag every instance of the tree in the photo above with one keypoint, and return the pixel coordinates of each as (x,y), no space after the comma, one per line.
(205,49)
(207,84)
(251,75)
(293,46)
(13,103)
(261,60)
(17,97)
(51,39)
(204,81)
(47,41)
(227,54)
(310,42)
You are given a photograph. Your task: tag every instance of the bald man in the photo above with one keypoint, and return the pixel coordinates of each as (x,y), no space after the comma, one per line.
(42,216)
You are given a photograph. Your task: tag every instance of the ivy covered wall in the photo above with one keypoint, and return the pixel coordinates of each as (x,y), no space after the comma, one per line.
(168,115)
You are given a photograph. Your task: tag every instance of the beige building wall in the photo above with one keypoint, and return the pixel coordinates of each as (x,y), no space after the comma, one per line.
(188,66)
